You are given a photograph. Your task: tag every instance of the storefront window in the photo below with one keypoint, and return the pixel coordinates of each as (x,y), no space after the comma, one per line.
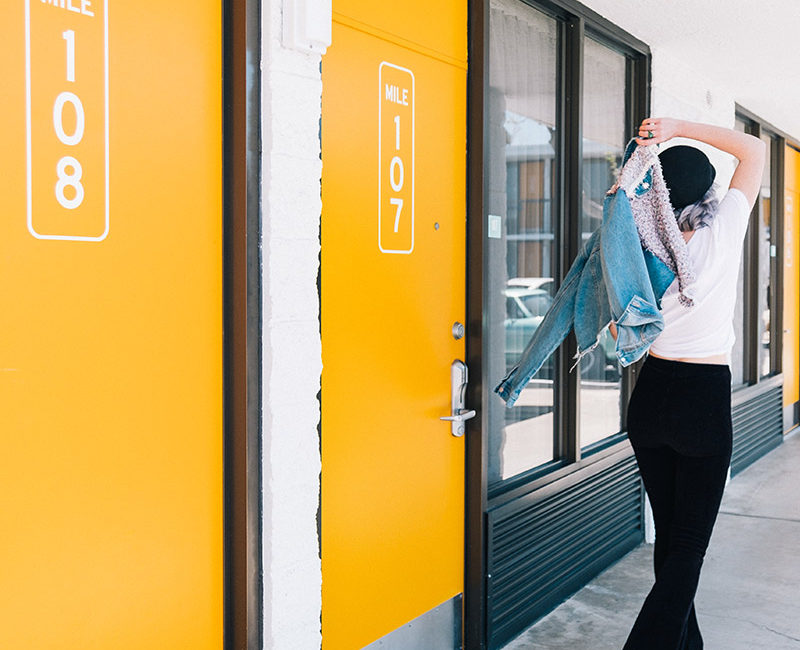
(738,352)
(521,210)
(603,147)
(766,253)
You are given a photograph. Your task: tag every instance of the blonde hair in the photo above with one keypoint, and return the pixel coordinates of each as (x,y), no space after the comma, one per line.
(699,214)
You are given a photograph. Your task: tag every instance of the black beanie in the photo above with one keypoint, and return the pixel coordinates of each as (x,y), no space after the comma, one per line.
(688,174)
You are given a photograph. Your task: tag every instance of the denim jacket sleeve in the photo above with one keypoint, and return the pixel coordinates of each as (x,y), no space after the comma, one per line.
(555,326)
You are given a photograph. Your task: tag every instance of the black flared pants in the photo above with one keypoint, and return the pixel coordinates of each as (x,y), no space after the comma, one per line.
(679,423)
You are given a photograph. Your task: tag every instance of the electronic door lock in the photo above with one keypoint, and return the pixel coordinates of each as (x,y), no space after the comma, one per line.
(458,394)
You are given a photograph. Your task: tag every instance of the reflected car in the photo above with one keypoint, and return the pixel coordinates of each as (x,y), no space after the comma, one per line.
(527,301)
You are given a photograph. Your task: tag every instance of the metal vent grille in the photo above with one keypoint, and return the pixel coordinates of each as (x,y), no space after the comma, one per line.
(757,427)
(545,546)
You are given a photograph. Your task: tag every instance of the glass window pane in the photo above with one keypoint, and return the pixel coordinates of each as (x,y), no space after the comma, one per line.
(737,354)
(765,255)
(603,147)
(520,254)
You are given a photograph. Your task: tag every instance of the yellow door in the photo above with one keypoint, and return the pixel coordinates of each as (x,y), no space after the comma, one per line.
(111,506)
(393,268)
(791,279)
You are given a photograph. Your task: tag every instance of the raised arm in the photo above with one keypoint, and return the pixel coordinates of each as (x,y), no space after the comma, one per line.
(748,149)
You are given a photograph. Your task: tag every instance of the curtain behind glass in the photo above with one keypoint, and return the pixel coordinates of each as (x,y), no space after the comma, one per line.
(521,213)
(737,353)
(603,147)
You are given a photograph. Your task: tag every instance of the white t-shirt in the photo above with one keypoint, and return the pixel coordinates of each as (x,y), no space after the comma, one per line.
(715,253)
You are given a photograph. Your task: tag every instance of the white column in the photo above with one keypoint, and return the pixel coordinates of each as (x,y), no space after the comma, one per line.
(291,88)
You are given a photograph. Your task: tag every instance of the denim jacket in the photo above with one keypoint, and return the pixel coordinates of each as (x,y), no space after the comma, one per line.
(613,278)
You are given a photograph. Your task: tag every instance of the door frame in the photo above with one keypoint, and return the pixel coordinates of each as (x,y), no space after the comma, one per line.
(475,475)
(242,384)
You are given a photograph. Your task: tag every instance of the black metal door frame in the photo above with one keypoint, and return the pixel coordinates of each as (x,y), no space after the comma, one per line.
(241,97)
(476,483)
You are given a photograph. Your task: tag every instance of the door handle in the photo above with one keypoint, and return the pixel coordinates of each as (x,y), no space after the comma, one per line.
(461,416)
(458,392)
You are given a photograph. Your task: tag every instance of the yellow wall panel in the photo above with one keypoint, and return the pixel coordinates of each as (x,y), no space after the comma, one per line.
(439,28)
(111,338)
(791,279)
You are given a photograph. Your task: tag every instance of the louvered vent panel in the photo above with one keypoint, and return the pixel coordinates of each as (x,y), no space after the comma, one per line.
(548,544)
(757,427)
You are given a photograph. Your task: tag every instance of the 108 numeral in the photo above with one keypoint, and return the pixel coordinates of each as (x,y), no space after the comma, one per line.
(71,178)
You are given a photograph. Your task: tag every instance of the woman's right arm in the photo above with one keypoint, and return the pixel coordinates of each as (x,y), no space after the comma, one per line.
(749,150)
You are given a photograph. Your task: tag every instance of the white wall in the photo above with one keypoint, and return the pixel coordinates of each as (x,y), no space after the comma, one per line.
(708,55)
(291,170)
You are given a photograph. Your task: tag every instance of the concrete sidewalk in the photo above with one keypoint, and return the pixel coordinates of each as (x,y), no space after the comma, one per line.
(749,594)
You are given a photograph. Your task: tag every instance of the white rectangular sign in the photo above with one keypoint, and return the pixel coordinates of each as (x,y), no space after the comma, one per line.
(396,100)
(66,82)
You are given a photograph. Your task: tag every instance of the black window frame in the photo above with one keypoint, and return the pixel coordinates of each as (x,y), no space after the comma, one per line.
(750,259)
(576,22)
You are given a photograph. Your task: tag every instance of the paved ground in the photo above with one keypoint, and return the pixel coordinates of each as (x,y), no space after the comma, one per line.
(749,594)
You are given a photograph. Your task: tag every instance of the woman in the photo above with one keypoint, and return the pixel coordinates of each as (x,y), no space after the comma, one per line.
(679,417)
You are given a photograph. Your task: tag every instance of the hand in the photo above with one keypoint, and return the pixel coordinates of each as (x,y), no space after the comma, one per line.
(660,128)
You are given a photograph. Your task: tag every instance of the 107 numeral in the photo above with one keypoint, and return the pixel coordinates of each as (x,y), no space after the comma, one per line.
(396,169)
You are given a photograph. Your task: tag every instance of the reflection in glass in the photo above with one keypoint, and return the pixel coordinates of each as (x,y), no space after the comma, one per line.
(737,354)
(765,255)
(520,255)
(603,147)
